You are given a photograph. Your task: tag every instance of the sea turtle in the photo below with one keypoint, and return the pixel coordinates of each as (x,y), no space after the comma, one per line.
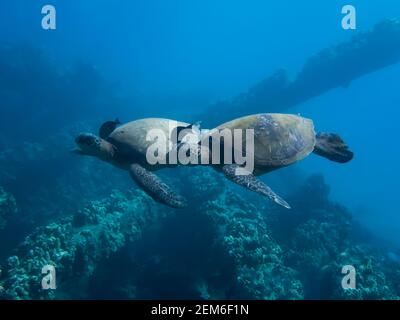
(279,140)
(126,146)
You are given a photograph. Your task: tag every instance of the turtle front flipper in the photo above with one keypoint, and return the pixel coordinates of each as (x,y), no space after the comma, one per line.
(155,188)
(250,182)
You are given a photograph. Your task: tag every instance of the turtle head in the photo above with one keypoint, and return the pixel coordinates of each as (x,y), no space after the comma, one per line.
(91,145)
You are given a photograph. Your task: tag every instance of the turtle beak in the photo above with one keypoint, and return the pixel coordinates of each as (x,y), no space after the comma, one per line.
(78,141)
(87,144)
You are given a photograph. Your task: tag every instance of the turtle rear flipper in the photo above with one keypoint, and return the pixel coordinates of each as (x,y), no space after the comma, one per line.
(332,147)
(250,182)
(155,188)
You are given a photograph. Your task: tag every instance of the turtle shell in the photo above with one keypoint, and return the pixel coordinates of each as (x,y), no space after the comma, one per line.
(130,138)
(279,139)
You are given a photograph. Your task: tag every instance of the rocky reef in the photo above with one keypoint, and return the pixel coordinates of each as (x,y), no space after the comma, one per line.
(318,238)
(221,247)
(75,245)
(8,207)
(258,259)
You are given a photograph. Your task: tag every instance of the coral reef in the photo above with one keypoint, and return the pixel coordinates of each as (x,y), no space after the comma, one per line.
(376,277)
(222,247)
(317,241)
(258,259)
(75,245)
(8,207)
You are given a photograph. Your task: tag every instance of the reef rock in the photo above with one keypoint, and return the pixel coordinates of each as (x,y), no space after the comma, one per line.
(8,207)
(75,245)
(258,259)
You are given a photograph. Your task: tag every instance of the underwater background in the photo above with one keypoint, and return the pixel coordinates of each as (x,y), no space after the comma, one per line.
(208,61)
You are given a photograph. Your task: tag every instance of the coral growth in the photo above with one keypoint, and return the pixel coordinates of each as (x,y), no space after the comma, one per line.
(222,246)
(318,242)
(8,207)
(75,245)
(258,259)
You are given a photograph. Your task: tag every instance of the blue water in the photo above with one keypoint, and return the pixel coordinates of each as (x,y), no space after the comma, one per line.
(175,58)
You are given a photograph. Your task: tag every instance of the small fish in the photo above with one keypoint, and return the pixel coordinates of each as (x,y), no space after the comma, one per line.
(108,127)
(194,128)
(191,137)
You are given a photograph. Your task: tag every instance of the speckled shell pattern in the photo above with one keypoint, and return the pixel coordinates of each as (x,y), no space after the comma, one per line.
(279,139)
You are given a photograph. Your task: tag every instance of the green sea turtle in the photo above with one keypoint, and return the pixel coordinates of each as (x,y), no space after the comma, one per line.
(279,140)
(126,146)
